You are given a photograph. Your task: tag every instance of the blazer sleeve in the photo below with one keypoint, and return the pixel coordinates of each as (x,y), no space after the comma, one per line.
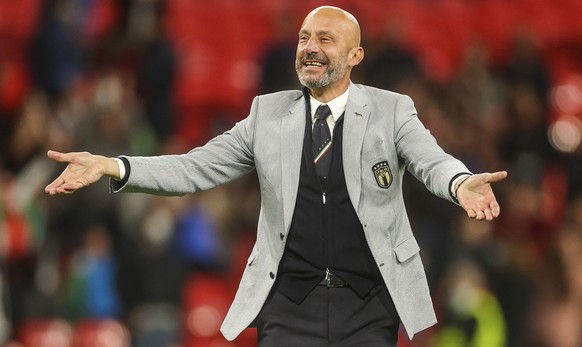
(223,159)
(419,150)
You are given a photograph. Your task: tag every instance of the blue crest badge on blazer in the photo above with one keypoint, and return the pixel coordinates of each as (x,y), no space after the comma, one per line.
(383,174)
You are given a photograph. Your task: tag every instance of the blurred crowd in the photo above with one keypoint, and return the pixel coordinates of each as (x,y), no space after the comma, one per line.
(97,269)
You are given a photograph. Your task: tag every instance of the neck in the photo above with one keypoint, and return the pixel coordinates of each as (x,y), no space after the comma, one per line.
(326,94)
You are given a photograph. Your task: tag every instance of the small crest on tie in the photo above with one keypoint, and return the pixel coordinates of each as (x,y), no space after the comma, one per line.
(382,174)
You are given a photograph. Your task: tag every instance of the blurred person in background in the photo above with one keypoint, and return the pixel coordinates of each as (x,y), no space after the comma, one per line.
(91,283)
(56,57)
(151,273)
(355,274)
(472,314)
(278,73)
(394,66)
(156,67)
(556,312)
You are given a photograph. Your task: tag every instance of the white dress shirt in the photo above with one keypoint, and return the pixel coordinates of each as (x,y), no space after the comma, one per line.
(337,107)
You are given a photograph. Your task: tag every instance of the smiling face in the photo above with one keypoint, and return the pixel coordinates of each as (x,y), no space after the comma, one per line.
(327,50)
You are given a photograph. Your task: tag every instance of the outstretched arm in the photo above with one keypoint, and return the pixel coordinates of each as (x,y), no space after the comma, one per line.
(83,169)
(476,196)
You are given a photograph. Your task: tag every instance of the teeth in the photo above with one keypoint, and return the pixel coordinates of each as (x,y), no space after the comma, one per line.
(313,63)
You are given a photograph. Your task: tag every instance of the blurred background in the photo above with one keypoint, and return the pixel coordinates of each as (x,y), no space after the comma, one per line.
(498,83)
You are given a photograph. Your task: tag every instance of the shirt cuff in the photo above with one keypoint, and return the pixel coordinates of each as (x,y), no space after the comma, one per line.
(124,173)
(121,169)
(455,181)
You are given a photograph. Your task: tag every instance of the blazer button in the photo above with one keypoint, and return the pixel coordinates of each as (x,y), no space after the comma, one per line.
(272,275)
(282,236)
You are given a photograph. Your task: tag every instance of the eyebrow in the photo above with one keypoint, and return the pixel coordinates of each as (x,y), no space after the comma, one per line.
(319,33)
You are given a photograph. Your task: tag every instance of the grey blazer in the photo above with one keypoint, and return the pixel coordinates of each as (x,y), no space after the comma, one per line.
(382,136)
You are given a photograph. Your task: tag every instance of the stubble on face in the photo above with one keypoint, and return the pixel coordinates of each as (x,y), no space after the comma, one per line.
(335,71)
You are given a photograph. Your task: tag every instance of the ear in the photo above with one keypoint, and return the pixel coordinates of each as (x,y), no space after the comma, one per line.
(356,55)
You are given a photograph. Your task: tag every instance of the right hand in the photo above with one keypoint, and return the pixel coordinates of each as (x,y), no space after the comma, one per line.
(83,169)
(476,195)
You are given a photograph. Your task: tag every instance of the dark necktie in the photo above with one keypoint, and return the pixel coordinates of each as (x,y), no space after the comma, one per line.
(321,141)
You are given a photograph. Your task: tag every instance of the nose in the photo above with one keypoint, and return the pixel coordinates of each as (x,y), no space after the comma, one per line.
(311,46)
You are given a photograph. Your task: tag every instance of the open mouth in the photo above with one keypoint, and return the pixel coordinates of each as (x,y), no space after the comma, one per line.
(314,63)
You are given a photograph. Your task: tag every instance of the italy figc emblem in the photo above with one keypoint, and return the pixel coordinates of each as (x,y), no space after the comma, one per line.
(383,175)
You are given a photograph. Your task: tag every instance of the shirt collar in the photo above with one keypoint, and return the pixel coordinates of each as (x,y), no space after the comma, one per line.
(337,105)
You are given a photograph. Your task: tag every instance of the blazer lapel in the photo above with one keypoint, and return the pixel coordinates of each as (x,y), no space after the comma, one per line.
(355,122)
(292,133)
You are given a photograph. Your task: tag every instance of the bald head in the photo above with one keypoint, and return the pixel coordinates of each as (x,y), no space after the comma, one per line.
(345,20)
(327,50)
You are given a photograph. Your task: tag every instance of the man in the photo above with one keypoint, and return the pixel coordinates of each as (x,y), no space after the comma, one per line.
(335,261)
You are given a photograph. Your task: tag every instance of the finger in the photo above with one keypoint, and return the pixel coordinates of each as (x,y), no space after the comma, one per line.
(60,185)
(471,214)
(54,184)
(59,190)
(65,188)
(54,155)
(488,214)
(495,209)
(480,215)
(497,176)
(53,189)
(60,157)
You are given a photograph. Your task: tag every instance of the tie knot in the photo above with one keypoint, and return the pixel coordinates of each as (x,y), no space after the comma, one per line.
(322,112)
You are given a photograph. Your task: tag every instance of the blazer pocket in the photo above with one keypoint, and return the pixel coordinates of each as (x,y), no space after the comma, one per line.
(406,250)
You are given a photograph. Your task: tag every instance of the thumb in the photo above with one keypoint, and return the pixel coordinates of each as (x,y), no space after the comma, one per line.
(58,156)
(497,176)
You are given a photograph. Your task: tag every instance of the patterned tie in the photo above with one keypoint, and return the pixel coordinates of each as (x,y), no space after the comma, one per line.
(321,141)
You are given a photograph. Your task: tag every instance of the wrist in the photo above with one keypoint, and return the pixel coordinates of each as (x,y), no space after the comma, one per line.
(110,167)
(458,184)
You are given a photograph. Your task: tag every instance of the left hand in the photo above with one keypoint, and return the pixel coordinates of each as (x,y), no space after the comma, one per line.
(476,196)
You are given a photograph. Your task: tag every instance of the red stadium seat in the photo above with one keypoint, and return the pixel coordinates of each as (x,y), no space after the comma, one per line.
(100,333)
(45,333)
(207,299)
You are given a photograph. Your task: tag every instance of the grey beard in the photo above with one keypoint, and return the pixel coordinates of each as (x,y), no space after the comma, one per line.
(333,74)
